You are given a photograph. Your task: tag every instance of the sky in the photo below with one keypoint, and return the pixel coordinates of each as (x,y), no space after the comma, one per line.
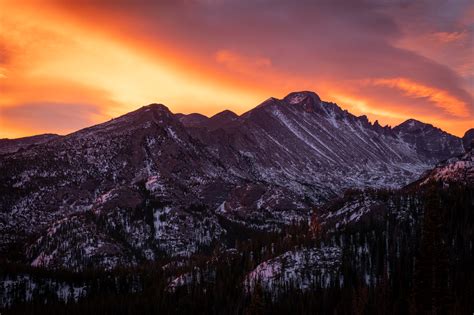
(65,65)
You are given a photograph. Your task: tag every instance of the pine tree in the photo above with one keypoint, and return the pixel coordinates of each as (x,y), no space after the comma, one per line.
(431,285)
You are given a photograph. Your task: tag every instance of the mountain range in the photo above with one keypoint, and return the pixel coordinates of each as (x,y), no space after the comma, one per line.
(153,183)
(296,196)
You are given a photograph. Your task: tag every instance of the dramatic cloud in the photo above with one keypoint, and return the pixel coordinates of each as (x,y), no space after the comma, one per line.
(392,60)
(440,98)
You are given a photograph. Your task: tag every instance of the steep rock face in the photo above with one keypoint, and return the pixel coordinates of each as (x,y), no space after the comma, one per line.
(468,139)
(430,142)
(316,149)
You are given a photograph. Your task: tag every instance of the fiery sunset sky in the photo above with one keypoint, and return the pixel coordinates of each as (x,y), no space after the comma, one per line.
(66,64)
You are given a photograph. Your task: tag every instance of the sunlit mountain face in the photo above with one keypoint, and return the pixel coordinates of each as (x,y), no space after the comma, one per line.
(236,157)
(65,65)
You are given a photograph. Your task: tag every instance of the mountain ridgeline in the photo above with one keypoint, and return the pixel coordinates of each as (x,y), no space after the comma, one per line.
(299,193)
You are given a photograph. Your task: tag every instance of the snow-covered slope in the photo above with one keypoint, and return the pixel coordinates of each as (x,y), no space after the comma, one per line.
(458,169)
(316,149)
(300,268)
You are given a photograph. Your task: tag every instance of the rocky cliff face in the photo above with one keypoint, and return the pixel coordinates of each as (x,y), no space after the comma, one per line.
(468,139)
(430,142)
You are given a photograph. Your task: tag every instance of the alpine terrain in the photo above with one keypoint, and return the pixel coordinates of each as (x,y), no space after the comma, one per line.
(296,198)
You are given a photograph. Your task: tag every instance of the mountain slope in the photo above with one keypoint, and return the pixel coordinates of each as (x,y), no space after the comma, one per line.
(429,141)
(14,145)
(316,149)
(459,169)
(118,178)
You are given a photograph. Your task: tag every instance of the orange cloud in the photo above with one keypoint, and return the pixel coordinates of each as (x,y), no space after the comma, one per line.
(38,117)
(242,64)
(448,37)
(360,106)
(440,98)
(52,61)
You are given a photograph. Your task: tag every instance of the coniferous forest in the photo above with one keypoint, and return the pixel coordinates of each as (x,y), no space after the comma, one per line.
(411,254)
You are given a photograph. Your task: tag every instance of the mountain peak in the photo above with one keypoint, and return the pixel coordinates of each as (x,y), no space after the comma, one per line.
(193,119)
(429,140)
(155,107)
(307,100)
(151,111)
(411,124)
(227,114)
(144,117)
(223,119)
(302,96)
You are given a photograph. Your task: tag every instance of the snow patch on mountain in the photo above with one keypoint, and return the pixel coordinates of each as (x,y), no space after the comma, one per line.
(302,268)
